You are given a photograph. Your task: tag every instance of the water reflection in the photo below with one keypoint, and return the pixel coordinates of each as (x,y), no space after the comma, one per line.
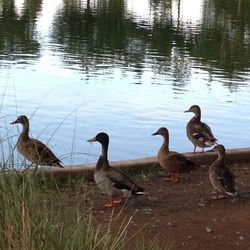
(109,34)
(126,67)
(18,30)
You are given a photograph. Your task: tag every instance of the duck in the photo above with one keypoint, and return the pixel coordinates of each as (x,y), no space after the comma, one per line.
(198,132)
(112,181)
(221,177)
(32,149)
(174,162)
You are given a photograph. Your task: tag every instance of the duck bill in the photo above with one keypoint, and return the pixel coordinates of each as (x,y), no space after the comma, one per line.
(92,139)
(156,133)
(14,122)
(186,111)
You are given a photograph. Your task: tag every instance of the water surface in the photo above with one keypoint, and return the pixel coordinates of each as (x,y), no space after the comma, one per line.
(126,68)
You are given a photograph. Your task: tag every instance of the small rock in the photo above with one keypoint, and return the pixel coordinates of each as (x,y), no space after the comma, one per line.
(147,210)
(190,237)
(241,238)
(209,230)
(201,204)
(101,212)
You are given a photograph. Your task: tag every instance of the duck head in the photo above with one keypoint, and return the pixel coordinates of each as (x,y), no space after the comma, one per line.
(102,138)
(23,119)
(219,149)
(194,108)
(161,131)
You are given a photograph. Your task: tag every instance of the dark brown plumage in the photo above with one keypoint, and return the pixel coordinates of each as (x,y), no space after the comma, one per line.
(221,177)
(175,163)
(199,133)
(111,180)
(33,149)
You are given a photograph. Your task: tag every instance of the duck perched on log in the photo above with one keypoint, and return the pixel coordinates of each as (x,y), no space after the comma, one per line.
(33,149)
(111,180)
(173,162)
(221,177)
(198,132)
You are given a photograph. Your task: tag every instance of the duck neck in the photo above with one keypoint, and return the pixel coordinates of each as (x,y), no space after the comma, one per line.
(197,116)
(221,158)
(105,151)
(25,133)
(103,159)
(165,144)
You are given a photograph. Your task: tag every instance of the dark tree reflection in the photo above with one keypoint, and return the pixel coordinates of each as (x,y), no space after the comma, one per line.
(18,31)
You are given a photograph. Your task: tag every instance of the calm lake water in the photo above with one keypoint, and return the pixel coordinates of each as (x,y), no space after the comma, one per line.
(126,67)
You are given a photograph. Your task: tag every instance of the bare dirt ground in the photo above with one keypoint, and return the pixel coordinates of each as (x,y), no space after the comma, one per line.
(182,215)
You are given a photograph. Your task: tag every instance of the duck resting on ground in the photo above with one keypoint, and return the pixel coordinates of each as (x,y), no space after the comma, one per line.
(221,177)
(111,180)
(173,162)
(198,132)
(33,149)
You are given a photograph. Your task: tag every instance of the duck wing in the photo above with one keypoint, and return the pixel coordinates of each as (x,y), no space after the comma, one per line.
(201,133)
(228,180)
(181,161)
(40,153)
(121,180)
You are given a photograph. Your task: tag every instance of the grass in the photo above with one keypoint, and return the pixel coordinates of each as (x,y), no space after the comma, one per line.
(38,213)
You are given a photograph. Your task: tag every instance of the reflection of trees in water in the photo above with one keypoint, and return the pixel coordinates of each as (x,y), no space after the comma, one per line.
(18,32)
(223,42)
(106,34)
(100,35)
(103,33)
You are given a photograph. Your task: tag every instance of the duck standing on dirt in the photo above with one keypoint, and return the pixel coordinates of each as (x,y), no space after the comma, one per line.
(33,149)
(221,177)
(173,162)
(111,180)
(199,133)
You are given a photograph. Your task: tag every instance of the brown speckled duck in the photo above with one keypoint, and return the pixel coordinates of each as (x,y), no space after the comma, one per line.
(33,149)
(111,180)
(173,162)
(221,177)
(199,133)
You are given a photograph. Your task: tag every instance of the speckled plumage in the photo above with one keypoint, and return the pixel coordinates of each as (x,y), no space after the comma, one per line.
(221,177)
(33,149)
(174,162)
(198,132)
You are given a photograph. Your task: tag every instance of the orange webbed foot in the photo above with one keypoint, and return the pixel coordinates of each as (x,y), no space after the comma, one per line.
(121,201)
(114,202)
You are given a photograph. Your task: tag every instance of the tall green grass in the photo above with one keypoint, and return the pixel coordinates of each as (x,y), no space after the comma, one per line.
(37,213)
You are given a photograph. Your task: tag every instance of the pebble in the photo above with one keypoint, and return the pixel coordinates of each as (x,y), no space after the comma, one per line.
(201,204)
(209,230)
(147,210)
